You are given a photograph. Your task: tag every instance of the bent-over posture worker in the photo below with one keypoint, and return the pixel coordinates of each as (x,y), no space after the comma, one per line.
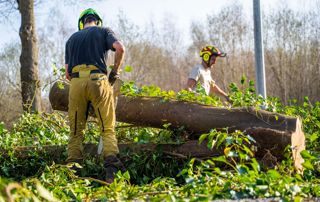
(85,62)
(202,72)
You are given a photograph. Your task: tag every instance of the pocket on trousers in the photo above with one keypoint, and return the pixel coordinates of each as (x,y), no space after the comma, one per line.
(100,89)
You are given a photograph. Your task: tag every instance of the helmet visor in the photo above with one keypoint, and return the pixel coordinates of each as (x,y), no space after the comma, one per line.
(223,55)
(220,54)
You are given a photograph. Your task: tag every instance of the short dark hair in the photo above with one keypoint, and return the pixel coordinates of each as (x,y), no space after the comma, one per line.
(89,19)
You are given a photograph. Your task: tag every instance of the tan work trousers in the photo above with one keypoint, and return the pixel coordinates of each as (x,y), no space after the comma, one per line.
(96,89)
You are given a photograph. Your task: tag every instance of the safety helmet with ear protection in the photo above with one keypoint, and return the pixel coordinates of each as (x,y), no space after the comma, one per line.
(208,51)
(85,14)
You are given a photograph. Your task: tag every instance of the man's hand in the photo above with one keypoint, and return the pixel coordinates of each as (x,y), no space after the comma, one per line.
(113,76)
(118,59)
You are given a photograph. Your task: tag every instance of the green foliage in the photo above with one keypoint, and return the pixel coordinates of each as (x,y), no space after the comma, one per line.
(238,150)
(147,166)
(36,129)
(156,175)
(142,135)
(130,89)
(60,72)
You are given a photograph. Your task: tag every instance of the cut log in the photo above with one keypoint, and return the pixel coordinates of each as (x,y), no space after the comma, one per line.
(189,149)
(273,132)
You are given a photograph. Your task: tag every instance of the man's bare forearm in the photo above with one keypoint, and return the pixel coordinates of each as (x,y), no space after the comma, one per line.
(118,59)
(119,55)
(219,91)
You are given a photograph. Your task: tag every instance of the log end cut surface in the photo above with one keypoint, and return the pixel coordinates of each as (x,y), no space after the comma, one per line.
(298,145)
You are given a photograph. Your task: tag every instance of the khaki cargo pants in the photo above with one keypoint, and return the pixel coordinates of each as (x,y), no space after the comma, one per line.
(94,88)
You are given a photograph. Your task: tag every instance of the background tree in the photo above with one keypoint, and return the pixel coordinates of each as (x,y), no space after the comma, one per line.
(30,83)
(29,75)
(10,88)
(159,55)
(24,85)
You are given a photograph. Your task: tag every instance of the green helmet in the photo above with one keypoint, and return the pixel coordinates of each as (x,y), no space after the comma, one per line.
(83,16)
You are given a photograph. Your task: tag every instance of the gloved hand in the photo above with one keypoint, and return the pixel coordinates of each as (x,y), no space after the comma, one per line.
(113,76)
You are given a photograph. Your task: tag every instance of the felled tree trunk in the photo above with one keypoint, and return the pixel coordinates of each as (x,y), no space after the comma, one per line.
(272,132)
(190,148)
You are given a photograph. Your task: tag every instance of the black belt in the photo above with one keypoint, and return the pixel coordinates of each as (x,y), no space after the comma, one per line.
(95,71)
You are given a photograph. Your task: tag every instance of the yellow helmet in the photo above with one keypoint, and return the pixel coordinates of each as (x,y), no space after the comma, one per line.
(85,14)
(209,51)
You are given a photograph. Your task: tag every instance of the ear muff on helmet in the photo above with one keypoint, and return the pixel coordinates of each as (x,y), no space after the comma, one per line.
(206,55)
(84,14)
(208,51)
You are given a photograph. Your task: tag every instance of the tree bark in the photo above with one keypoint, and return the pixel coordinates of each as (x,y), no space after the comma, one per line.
(30,84)
(189,149)
(272,132)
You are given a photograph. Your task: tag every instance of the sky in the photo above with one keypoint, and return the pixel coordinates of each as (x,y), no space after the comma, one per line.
(143,11)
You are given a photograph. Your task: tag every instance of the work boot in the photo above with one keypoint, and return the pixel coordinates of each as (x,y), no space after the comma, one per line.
(112,165)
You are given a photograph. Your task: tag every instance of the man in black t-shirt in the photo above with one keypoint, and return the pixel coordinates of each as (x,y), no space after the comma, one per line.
(85,62)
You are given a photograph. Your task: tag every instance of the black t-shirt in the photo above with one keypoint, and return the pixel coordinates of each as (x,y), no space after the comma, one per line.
(89,46)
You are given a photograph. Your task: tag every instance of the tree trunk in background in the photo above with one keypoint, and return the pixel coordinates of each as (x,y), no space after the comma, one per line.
(30,83)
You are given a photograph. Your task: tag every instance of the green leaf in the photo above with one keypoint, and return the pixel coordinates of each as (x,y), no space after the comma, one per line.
(273,174)
(166,125)
(248,151)
(60,85)
(211,144)
(62,70)
(242,169)
(255,165)
(221,137)
(314,137)
(229,140)
(251,83)
(44,193)
(128,68)
(184,171)
(210,162)
(220,159)
(308,165)
(203,137)
(251,138)
(306,155)
(262,187)
(126,175)
(243,79)
(111,66)
(298,199)
(55,70)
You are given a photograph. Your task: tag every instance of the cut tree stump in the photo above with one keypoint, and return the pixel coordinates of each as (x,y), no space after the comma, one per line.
(273,132)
